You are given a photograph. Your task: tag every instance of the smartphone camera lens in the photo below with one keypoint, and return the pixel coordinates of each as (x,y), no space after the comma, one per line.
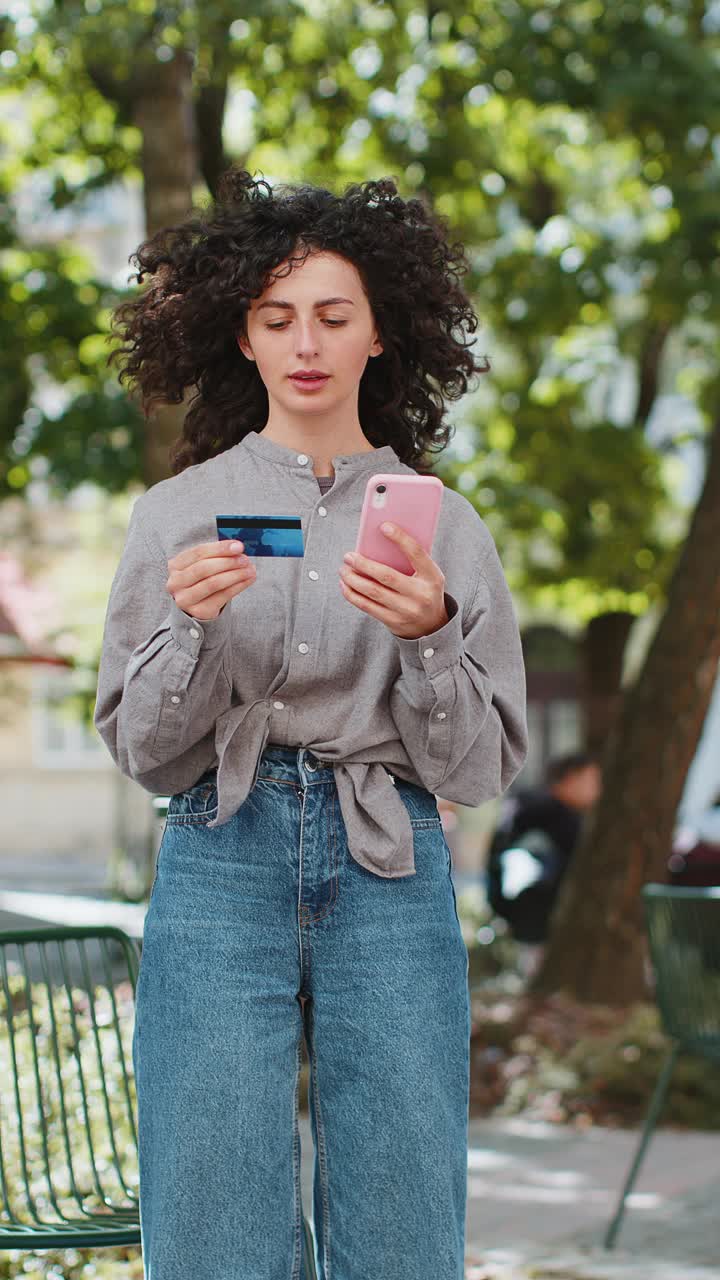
(380,488)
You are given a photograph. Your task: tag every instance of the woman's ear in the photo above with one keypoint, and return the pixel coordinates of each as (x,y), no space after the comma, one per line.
(245,347)
(377,347)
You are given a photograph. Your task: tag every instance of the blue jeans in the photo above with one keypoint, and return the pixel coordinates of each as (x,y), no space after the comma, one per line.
(243,921)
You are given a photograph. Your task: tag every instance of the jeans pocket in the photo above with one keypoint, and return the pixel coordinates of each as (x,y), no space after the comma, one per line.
(420,804)
(197,804)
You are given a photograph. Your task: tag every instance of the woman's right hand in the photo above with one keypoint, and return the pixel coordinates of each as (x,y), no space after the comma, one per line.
(203,579)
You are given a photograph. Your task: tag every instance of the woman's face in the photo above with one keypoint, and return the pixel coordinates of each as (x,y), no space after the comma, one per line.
(316,318)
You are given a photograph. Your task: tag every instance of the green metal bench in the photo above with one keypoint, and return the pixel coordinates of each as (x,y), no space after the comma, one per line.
(68,1136)
(683,927)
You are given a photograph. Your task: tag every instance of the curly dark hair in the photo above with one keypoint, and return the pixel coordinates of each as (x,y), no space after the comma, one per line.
(180,332)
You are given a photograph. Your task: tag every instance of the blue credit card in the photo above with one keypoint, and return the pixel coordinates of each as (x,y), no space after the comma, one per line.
(264,535)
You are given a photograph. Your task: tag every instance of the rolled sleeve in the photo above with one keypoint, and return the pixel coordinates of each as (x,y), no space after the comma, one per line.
(192,636)
(163,679)
(442,648)
(459,701)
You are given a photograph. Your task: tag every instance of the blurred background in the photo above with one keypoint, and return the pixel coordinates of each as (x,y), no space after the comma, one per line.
(575,148)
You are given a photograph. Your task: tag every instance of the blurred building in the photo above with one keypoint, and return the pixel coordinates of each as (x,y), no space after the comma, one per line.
(68,814)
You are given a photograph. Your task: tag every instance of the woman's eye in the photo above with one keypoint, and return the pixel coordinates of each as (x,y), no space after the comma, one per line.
(282,324)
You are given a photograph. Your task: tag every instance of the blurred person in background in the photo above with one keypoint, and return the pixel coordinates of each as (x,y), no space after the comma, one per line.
(532,847)
(695,857)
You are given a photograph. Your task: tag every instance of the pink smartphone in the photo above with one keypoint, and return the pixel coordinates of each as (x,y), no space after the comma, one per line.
(410,502)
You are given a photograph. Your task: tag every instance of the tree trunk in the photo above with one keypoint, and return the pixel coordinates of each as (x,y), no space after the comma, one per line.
(596,948)
(603,648)
(210,104)
(163,111)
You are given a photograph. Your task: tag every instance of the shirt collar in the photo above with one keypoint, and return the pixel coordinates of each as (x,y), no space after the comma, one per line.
(370,460)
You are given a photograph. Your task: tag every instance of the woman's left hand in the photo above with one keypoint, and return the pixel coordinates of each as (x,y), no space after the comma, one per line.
(410,605)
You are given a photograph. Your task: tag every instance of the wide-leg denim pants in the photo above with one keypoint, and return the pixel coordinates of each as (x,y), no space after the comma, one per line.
(243,920)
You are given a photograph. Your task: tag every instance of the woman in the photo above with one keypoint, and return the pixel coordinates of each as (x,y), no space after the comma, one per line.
(303,713)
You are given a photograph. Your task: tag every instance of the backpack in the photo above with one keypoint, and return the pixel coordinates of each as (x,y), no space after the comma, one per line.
(522,875)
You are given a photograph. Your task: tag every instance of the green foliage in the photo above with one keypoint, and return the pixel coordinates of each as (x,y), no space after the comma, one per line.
(122,1263)
(581,503)
(570,145)
(54,324)
(590,207)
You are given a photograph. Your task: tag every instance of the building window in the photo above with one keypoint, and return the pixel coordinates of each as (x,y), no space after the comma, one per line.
(63,738)
(564,728)
(555,721)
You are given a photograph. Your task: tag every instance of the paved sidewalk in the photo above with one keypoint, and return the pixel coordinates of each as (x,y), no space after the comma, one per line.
(85,873)
(22,910)
(540,1197)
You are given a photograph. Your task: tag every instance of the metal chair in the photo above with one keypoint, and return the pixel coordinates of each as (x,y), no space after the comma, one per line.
(683,927)
(68,1136)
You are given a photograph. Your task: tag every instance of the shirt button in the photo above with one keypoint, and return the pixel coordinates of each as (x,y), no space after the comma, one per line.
(322,511)
(195,634)
(312,574)
(304,648)
(303,459)
(175,698)
(428,653)
(279,706)
(441,715)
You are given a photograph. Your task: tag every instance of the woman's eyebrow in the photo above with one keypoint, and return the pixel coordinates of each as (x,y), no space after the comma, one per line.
(289,306)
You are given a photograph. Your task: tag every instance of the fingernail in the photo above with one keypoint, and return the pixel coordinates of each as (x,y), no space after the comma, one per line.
(236,546)
(387,528)
(349,557)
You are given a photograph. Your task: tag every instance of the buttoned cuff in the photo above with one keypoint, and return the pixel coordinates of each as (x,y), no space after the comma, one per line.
(439,650)
(192,635)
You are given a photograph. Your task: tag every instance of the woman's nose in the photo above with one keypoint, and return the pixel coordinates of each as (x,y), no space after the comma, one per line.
(306,338)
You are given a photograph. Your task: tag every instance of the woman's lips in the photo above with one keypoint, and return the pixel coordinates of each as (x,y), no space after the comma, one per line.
(309,384)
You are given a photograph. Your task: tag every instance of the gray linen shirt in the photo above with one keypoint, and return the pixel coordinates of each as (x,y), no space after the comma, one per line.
(291,661)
